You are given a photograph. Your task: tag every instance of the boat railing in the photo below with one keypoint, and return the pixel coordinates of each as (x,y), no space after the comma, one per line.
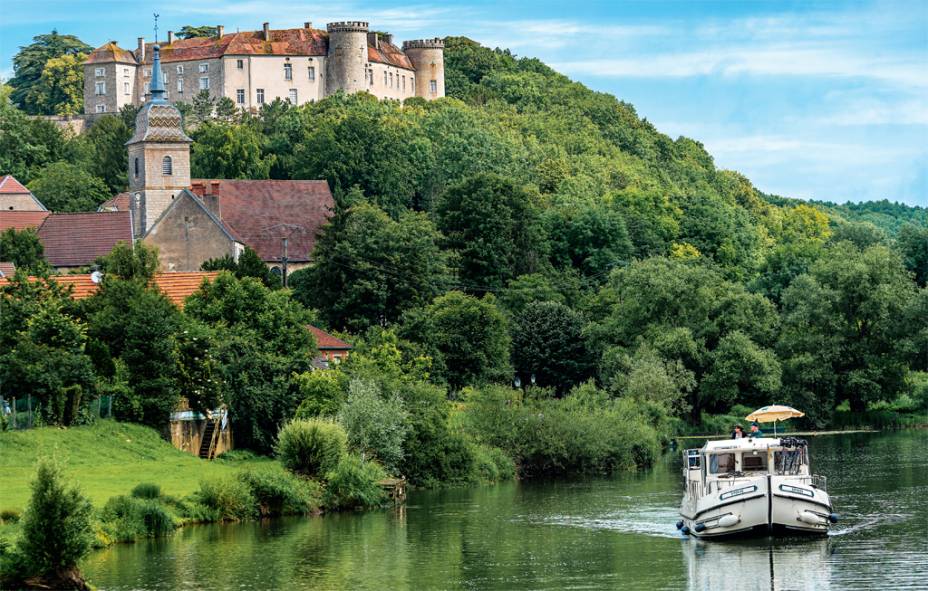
(820,482)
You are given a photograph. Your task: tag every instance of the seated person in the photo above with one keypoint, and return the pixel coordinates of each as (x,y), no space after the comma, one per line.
(738,433)
(755,430)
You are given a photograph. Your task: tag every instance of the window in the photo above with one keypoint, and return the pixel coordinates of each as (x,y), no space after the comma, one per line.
(370,74)
(312,72)
(404,83)
(204,83)
(136,168)
(721,463)
(204,68)
(433,87)
(147,87)
(164,77)
(180,86)
(99,71)
(125,72)
(101,108)
(240,96)
(167,166)
(288,71)
(391,79)
(384,78)
(180,70)
(125,88)
(239,64)
(752,463)
(260,93)
(292,97)
(99,88)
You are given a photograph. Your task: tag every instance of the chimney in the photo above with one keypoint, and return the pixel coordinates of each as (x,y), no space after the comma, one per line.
(308,25)
(170,37)
(141,50)
(267,31)
(373,39)
(388,38)
(214,187)
(198,189)
(220,31)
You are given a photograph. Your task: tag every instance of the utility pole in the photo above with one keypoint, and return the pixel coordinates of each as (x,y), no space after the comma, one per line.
(284,261)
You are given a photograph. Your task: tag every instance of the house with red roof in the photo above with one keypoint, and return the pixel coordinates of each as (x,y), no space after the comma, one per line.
(253,68)
(76,240)
(331,348)
(14,196)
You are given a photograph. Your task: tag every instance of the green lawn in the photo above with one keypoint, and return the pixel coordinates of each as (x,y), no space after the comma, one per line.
(105,460)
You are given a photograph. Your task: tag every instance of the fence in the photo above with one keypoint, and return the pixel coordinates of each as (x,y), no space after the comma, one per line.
(26,412)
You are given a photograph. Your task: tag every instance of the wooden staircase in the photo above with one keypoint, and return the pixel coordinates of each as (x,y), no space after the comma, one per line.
(209,440)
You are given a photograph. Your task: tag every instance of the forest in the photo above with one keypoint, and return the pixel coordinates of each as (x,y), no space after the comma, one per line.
(528,270)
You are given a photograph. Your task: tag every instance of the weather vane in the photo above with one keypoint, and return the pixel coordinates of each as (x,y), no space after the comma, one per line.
(156,26)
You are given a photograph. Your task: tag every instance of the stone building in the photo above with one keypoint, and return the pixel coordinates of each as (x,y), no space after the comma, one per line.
(14,196)
(256,67)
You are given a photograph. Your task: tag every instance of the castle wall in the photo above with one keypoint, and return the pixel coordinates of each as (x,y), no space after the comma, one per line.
(390,82)
(347,57)
(267,72)
(120,87)
(428,56)
(188,74)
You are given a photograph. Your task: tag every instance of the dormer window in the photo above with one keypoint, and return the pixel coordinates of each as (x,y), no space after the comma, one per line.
(167,166)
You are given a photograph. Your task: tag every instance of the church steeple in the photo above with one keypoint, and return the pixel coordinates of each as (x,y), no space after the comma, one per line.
(157,81)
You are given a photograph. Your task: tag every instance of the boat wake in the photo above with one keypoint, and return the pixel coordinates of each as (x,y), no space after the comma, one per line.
(649,521)
(865,522)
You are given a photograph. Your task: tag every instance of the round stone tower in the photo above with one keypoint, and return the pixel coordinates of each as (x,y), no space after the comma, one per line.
(428,58)
(345,63)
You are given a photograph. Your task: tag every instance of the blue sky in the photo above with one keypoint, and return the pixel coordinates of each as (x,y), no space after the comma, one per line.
(811,99)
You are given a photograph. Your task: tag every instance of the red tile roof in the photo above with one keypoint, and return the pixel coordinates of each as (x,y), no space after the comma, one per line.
(388,54)
(118,203)
(7,269)
(176,286)
(327,342)
(21,220)
(111,52)
(262,213)
(77,239)
(8,184)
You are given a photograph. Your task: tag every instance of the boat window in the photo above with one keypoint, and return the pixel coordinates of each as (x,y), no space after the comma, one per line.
(750,462)
(692,459)
(788,461)
(721,463)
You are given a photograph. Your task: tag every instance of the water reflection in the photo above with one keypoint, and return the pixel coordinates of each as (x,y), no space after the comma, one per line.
(790,564)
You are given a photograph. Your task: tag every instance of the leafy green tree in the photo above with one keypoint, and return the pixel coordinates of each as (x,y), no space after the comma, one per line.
(107,139)
(202,106)
(31,88)
(547,343)
(860,234)
(321,392)
(225,108)
(590,238)
(249,264)
(24,249)
(137,261)
(190,31)
(645,376)
(62,186)
(368,268)
(229,151)
(912,242)
(375,423)
(493,227)
(199,375)
(26,145)
(466,337)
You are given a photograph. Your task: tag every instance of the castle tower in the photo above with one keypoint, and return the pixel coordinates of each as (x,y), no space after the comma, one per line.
(345,63)
(159,155)
(428,57)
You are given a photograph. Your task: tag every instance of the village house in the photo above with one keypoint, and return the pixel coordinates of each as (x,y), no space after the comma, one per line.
(256,67)
(14,196)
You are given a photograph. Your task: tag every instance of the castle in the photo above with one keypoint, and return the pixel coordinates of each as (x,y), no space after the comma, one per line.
(255,67)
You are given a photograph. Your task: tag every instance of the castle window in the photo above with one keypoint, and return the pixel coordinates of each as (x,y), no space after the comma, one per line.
(99,88)
(312,72)
(239,64)
(101,108)
(384,78)
(240,96)
(180,70)
(260,96)
(391,79)
(125,72)
(99,71)
(204,68)
(136,168)
(404,83)
(293,96)
(180,85)
(125,88)
(204,83)
(433,87)
(164,77)
(288,71)
(370,74)
(167,166)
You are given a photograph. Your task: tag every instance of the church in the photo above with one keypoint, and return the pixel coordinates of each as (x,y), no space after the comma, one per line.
(193,220)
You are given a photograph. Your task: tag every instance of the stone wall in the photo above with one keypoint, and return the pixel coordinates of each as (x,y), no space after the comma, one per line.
(347,57)
(187,236)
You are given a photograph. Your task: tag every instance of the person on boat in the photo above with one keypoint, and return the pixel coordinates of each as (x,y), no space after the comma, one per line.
(755,430)
(738,433)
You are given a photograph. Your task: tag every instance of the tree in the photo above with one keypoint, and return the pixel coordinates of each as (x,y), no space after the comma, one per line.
(860,234)
(107,139)
(249,264)
(467,338)
(24,249)
(590,238)
(493,227)
(547,344)
(61,88)
(369,268)
(226,109)
(62,186)
(375,423)
(912,242)
(189,31)
(26,145)
(30,62)
(128,261)
(203,105)
(645,375)
(229,151)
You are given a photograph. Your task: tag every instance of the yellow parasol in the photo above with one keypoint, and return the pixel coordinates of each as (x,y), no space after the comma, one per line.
(774,413)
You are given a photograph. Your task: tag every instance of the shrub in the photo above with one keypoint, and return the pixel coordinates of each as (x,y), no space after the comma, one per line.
(322,393)
(491,464)
(376,425)
(311,447)
(280,493)
(354,484)
(56,528)
(230,499)
(146,490)
(9,516)
(126,519)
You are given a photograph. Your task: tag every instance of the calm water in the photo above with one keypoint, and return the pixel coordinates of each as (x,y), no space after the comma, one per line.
(601,534)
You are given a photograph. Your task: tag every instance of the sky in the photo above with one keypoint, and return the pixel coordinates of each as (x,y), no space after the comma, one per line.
(812,99)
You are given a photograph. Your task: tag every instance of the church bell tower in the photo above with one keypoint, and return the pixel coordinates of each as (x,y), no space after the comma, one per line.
(159,155)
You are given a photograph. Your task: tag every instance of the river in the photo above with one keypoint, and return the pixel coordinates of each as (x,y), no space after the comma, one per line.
(615,533)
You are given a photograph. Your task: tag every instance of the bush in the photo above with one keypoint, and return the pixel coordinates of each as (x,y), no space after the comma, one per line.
(491,464)
(376,425)
(354,484)
(322,393)
(125,519)
(9,516)
(311,447)
(146,490)
(280,493)
(231,500)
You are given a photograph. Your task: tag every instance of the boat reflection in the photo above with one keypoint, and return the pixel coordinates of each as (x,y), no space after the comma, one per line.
(774,564)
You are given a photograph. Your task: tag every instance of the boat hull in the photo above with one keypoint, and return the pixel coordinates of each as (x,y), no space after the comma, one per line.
(765,505)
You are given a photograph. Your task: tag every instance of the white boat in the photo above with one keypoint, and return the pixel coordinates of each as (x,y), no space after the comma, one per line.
(753,486)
